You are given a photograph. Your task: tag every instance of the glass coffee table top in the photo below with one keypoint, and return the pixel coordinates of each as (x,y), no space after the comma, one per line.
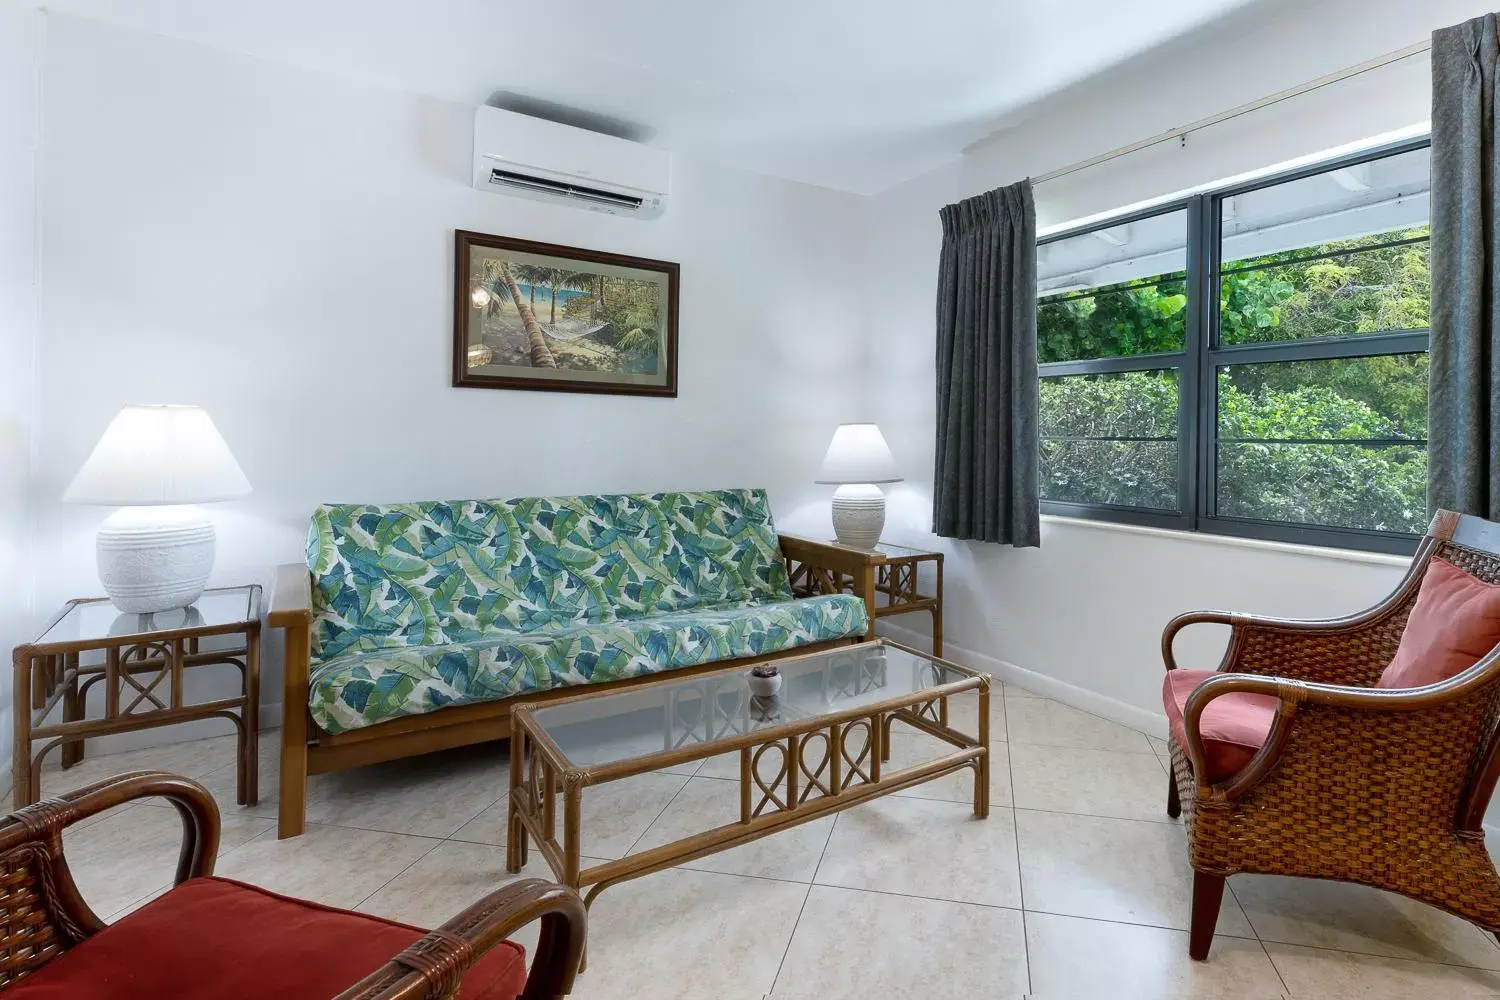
(637,722)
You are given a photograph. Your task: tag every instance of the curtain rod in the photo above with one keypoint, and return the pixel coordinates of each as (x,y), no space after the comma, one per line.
(1243,109)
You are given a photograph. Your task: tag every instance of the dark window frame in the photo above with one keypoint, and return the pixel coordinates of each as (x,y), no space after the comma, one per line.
(1202,355)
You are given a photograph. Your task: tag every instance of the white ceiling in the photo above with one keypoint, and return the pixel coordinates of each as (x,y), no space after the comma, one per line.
(851,94)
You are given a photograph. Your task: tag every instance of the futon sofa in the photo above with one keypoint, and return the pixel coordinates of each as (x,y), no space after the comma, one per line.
(414,627)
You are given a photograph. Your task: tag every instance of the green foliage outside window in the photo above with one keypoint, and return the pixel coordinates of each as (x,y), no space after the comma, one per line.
(1345,463)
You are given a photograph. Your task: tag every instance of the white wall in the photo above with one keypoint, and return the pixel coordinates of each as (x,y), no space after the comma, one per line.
(276,245)
(1087,608)
(20,39)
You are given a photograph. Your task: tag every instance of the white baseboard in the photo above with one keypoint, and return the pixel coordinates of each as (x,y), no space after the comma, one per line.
(1069,694)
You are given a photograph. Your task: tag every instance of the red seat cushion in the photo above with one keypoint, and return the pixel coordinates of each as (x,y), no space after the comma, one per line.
(1454,623)
(216,939)
(1234,726)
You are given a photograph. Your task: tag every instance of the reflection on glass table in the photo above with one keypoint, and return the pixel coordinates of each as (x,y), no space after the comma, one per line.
(649,720)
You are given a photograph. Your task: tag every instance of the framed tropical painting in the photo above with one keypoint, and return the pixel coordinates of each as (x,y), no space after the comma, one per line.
(539,316)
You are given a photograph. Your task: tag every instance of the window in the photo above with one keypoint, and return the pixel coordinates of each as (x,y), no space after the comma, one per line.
(1251,361)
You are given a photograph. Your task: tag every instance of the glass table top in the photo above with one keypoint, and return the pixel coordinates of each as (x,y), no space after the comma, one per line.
(86,621)
(639,722)
(898,551)
(892,549)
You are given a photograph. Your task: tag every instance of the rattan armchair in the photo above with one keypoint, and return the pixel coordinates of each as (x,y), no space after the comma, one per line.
(44,916)
(1383,787)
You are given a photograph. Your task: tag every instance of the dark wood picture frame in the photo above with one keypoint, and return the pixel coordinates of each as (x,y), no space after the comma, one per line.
(463,309)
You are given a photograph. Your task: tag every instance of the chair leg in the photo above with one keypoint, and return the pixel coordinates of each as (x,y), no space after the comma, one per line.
(1174,806)
(1208,893)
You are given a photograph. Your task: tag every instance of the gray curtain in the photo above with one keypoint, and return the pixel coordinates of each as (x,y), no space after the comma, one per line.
(985,480)
(1464,389)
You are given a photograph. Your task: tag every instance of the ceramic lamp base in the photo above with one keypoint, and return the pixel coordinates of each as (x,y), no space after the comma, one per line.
(858,515)
(155,558)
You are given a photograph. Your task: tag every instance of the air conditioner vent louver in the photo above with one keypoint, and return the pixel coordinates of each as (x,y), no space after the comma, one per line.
(525,157)
(508,178)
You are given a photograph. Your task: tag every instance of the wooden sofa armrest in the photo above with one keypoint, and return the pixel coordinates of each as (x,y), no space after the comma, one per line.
(432,968)
(823,565)
(291,611)
(31,838)
(291,596)
(830,555)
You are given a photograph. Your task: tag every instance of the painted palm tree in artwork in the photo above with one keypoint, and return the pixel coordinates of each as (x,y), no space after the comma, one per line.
(581,281)
(533,275)
(505,287)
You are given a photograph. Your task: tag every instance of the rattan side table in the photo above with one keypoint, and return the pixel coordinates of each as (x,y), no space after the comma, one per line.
(897,577)
(140,661)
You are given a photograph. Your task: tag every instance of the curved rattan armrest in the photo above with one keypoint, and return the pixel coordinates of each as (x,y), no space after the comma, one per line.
(199,812)
(1238,621)
(1383,614)
(1293,694)
(433,967)
(35,833)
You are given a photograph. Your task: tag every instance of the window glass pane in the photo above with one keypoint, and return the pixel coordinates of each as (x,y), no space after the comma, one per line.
(1340,253)
(1340,442)
(1114,292)
(1110,439)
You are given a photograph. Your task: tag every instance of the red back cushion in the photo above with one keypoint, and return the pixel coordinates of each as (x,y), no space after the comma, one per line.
(1454,624)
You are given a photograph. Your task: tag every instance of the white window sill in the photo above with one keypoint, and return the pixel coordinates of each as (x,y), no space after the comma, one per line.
(1205,538)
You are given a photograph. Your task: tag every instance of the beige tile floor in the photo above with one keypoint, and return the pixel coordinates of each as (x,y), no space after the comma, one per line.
(1076,885)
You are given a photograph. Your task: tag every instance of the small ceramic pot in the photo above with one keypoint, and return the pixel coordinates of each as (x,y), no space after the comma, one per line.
(764,687)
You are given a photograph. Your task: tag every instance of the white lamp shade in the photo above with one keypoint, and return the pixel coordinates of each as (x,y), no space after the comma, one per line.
(151,455)
(858,454)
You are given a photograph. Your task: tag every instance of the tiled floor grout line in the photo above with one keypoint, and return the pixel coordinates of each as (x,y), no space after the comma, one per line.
(655,819)
(1148,752)
(790,938)
(1259,940)
(1064,812)
(803,908)
(1371,954)
(1121,819)
(1015,827)
(1101,920)
(402,872)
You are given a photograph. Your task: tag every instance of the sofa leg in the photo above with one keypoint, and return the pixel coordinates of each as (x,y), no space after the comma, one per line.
(1174,806)
(1208,893)
(292,805)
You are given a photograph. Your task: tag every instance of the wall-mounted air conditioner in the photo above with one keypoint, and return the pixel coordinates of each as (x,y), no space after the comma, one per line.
(533,158)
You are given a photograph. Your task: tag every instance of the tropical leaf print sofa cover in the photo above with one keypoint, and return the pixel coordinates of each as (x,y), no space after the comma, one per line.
(420,606)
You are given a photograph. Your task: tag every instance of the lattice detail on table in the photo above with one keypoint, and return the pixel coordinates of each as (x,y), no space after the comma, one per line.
(144,684)
(853,674)
(931,711)
(858,767)
(535,770)
(809,581)
(816,779)
(899,581)
(698,713)
(771,792)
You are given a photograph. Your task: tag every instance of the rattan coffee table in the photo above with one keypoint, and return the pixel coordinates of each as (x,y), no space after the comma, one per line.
(817,747)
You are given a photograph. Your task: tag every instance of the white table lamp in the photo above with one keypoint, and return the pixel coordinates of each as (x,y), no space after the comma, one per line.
(857,460)
(154,463)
